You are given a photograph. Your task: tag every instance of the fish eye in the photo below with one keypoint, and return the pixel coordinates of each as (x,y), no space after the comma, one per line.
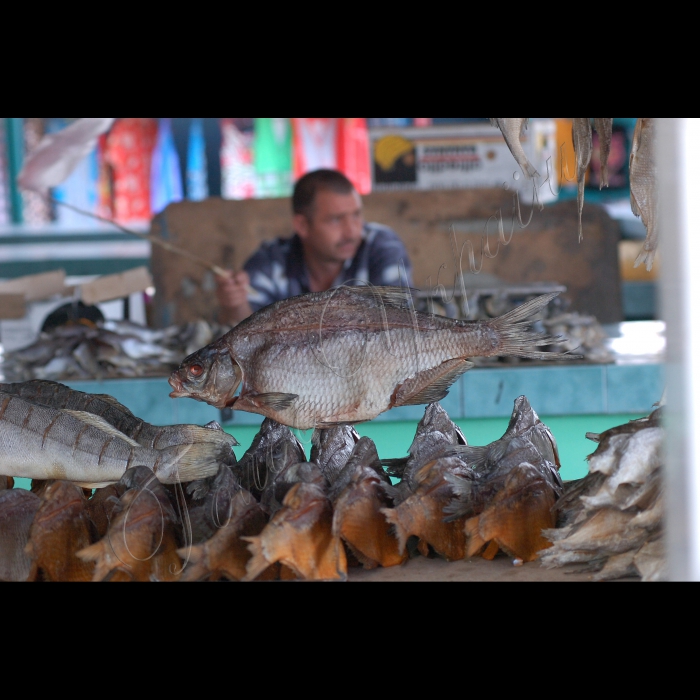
(195,370)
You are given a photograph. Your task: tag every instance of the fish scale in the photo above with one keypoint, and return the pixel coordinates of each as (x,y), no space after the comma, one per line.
(347,355)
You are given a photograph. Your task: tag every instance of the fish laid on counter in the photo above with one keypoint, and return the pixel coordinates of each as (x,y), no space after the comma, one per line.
(38,442)
(612,520)
(17,510)
(359,495)
(108,349)
(643,186)
(583,148)
(349,354)
(142,541)
(603,127)
(300,537)
(512,128)
(56,395)
(225,554)
(61,528)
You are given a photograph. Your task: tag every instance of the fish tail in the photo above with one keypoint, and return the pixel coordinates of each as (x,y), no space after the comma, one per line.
(180,463)
(393,518)
(514,338)
(257,563)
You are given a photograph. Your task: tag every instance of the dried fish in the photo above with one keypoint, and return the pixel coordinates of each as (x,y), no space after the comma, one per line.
(61,528)
(101,506)
(359,496)
(612,519)
(212,511)
(142,541)
(349,354)
(300,536)
(17,510)
(273,449)
(106,350)
(512,128)
(38,442)
(583,148)
(435,433)
(226,554)
(422,513)
(56,395)
(643,186)
(603,127)
(331,449)
(515,517)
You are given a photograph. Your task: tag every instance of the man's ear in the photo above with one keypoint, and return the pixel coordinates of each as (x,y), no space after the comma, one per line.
(301,226)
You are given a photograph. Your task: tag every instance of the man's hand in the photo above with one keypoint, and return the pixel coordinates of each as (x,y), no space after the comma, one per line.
(232,295)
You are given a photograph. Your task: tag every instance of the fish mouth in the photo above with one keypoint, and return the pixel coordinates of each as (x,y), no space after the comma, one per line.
(176,384)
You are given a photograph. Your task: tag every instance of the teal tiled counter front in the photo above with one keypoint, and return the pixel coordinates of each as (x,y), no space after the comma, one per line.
(558,390)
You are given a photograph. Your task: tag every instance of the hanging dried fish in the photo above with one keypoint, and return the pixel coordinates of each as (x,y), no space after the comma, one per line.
(583,148)
(643,184)
(512,128)
(603,127)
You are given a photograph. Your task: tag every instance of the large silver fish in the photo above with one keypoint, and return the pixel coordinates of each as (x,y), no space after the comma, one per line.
(347,355)
(38,442)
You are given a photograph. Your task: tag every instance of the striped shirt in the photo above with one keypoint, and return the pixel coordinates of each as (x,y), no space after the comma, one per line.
(277,270)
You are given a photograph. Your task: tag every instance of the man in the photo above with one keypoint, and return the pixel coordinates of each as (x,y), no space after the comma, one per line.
(332,245)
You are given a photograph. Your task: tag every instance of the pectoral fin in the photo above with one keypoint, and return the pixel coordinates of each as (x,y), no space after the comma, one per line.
(430,385)
(276,401)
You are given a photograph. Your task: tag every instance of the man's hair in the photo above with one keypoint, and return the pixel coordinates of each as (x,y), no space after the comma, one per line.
(308,185)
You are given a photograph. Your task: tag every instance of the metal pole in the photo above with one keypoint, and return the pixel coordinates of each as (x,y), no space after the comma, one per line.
(15,157)
(678,160)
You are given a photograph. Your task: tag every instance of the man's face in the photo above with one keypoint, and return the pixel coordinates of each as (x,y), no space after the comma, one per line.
(333,231)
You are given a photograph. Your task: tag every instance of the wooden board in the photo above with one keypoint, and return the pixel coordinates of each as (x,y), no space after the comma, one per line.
(12,305)
(434,225)
(116,286)
(37,287)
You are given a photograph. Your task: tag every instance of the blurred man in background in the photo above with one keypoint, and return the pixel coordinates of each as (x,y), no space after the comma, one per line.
(331,246)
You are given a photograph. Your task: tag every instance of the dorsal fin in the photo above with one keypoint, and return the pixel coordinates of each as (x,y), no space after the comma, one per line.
(395,297)
(102,424)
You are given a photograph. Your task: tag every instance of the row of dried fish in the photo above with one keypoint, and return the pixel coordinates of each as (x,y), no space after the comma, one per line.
(274,514)
(108,349)
(49,431)
(642,167)
(612,519)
